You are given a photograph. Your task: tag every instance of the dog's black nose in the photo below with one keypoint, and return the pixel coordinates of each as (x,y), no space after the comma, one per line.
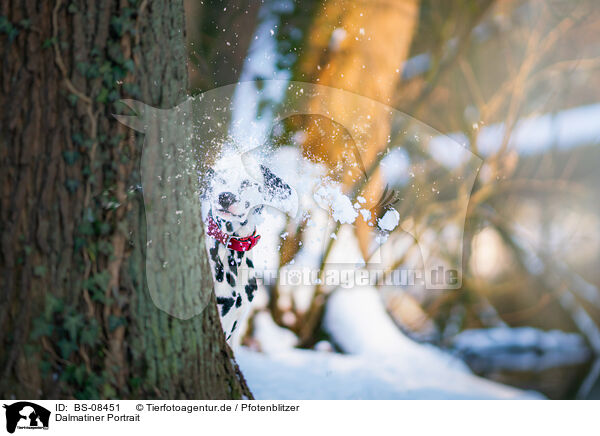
(226,199)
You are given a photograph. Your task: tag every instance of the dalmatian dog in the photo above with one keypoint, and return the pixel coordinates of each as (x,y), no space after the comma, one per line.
(238,190)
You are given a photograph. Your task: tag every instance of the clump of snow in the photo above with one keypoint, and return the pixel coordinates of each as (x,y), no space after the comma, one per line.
(518,337)
(520,348)
(270,336)
(389,221)
(331,197)
(366,214)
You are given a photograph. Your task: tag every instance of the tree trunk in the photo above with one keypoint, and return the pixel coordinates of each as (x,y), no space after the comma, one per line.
(359,47)
(76,318)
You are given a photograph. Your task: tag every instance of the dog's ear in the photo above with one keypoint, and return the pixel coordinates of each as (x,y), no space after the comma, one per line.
(274,186)
(278,193)
(275,191)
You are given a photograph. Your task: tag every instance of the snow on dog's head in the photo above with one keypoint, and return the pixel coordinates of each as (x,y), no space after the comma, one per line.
(239,186)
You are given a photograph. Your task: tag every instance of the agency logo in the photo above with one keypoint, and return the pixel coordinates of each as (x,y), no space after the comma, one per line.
(421,179)
(26,415)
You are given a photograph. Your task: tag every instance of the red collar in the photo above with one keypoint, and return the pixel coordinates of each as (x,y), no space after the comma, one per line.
(237,244)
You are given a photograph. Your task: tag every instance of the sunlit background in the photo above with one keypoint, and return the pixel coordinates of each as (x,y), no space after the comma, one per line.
(514,82)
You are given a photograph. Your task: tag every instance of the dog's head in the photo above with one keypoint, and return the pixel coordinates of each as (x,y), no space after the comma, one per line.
(237,190)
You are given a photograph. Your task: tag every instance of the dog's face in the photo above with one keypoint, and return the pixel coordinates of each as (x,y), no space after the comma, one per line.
(237,191)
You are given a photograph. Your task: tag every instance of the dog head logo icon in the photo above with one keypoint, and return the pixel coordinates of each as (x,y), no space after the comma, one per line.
(26,415)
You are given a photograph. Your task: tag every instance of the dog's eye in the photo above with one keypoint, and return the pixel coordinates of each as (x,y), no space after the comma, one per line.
(247,204)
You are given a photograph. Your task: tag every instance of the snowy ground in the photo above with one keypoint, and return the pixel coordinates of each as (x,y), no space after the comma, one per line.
(313,375)
(380,362)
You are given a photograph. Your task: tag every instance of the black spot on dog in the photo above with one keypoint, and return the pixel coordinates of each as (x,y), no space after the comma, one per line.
(240,255)
(249,263)
(238,302)
(230,279)
(226,304)
(250,288)
(219,271)
(274,185)
(233,327)
(214,251)
(233,264)
(246,221)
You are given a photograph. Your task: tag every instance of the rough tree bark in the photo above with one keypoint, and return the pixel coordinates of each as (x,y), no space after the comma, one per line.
(219,34)
(76,319)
